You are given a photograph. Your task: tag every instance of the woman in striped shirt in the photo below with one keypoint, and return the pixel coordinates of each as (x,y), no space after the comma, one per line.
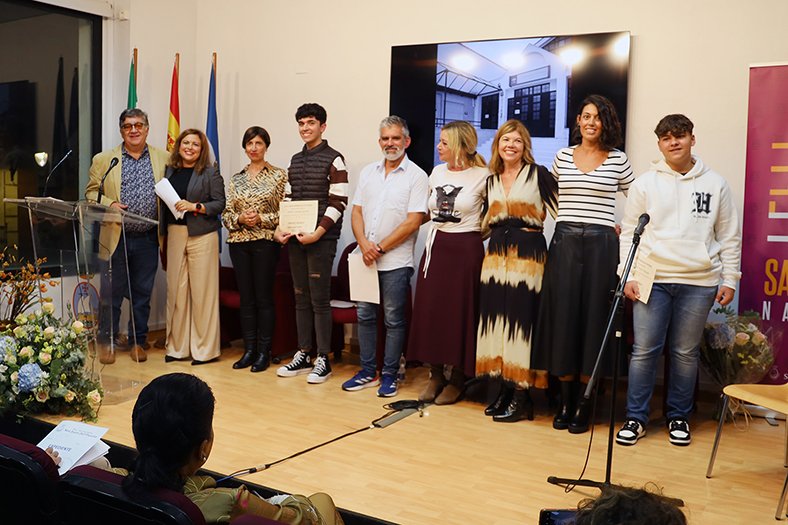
(581,265)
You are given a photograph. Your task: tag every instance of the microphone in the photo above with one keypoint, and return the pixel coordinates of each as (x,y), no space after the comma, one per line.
(642,221)
(46,182)
(112,164)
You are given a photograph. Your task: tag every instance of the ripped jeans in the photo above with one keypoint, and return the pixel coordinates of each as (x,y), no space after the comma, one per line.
(311,266)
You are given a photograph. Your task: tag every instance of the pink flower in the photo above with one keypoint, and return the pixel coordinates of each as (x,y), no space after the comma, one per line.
(42,396)
(44,358)
(70,396)
(742,338)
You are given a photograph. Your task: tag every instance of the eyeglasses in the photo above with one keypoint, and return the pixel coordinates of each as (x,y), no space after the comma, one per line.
(139,126)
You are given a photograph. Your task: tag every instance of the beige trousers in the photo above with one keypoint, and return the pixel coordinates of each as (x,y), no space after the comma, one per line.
(192,294)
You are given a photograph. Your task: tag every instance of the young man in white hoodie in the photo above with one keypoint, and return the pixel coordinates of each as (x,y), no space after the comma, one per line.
(692,245)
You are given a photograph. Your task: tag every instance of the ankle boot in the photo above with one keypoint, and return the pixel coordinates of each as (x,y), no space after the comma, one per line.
(564,415)
(263,354)
(580,421)
(250,354)
(434,387)
(501,402)
(453,390)
(520,407)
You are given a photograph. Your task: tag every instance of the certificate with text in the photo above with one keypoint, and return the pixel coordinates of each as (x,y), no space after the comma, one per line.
(298,216)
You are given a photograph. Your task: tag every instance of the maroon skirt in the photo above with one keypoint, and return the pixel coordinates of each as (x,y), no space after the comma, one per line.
(446,307)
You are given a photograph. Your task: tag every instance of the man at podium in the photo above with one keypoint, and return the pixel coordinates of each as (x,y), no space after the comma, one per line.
(124,178)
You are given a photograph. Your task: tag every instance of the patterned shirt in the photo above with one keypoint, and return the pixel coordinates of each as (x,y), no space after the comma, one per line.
(137,188)
(590,197)
(263,193)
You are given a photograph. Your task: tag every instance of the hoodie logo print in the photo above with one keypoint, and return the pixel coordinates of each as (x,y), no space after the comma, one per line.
(702,202)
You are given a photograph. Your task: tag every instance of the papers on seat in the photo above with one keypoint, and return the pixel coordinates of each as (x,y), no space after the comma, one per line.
(169,196)
(337,303)
(77,444)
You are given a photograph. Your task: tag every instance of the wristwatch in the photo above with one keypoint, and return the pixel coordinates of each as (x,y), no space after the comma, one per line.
(380,249)
(198,206)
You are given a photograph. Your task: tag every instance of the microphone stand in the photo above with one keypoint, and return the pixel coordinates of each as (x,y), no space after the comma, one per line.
(615,314)
(46,182)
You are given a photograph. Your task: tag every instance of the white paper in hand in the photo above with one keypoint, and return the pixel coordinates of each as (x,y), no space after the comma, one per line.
(169,196)
(363,279)
(72,440)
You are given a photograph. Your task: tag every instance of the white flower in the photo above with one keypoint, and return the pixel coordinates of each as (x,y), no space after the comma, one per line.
(20,319)
(94,398)
(77,326)
(26,352)
(39,313)
(49,331)
(19,331)
(48,308)
(45,358)
(15,377)
(70,396)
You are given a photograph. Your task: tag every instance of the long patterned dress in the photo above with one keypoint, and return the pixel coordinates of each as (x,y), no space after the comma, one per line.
(511,278)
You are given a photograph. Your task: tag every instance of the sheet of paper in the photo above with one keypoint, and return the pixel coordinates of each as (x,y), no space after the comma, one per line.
(644,275)
(169,196)
(71,440)
(363,279)
(336,303)
(298,216)
(95,452)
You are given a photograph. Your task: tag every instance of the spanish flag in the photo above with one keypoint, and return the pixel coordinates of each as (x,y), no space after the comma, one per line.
(174,122)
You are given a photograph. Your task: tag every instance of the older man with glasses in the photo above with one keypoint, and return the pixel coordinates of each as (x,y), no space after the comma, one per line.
(124,178)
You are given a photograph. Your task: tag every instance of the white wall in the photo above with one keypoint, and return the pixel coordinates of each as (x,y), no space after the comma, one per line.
(688,57)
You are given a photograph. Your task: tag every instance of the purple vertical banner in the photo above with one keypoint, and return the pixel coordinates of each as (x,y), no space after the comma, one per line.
(764,284)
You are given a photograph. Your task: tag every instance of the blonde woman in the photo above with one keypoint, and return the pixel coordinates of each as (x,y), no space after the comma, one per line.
(445,313)
(519,194)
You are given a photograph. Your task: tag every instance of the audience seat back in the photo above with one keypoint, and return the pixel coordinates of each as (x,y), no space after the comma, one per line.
(28,478)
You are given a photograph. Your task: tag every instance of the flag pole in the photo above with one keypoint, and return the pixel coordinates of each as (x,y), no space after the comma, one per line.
(134,58)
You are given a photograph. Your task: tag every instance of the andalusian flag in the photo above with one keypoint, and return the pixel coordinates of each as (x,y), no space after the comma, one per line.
(174,122)
(132,102)
(212,126)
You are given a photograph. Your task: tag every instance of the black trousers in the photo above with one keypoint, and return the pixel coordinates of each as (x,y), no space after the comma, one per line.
(255,266)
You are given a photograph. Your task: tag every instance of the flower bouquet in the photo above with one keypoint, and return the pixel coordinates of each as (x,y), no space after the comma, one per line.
(42,367)
(736,350)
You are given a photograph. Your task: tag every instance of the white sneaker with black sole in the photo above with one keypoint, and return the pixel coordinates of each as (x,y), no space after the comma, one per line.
(630,432)
(301,364)
(321,371)
(679,432)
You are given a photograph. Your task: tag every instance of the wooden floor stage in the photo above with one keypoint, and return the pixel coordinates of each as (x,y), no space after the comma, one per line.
(453,465)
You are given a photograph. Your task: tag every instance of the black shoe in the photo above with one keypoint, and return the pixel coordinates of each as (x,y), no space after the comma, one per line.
(519,408)
(501,402)
(580,421)
(196,362)
(249,357)
(262,361)
(564,416)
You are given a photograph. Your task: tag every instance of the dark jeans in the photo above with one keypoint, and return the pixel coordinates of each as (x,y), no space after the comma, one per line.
(255,267)
(142,253)
(311,268)
(394,295)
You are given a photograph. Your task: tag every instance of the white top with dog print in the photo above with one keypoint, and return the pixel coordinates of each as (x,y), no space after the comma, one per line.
(456,198)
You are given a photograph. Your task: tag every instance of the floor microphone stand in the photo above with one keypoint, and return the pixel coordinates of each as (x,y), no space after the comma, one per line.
(614,316)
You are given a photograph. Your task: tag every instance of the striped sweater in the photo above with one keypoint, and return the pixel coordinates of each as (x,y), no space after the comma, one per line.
(590,197)
(320,174)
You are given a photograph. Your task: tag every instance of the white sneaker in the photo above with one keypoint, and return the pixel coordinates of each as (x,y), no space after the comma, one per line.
(630,432)
(679,432)
(321,371)
(301,364)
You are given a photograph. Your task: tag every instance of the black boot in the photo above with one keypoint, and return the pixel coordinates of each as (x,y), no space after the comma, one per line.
(263,354)
(250,354)
(580,421)
(564,415)
(501,402)
(520,407)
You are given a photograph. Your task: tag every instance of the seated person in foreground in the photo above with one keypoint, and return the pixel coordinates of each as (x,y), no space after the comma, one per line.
(629,506)
(172,423)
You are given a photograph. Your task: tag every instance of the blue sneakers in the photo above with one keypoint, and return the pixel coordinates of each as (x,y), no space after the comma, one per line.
(388,386)
(360,381)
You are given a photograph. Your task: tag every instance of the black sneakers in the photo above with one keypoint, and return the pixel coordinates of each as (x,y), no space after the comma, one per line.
(630,432)
(679,432)
(321,371)
(301,364)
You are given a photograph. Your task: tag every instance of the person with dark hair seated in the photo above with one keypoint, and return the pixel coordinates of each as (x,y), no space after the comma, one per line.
(172,423)
(629,506)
